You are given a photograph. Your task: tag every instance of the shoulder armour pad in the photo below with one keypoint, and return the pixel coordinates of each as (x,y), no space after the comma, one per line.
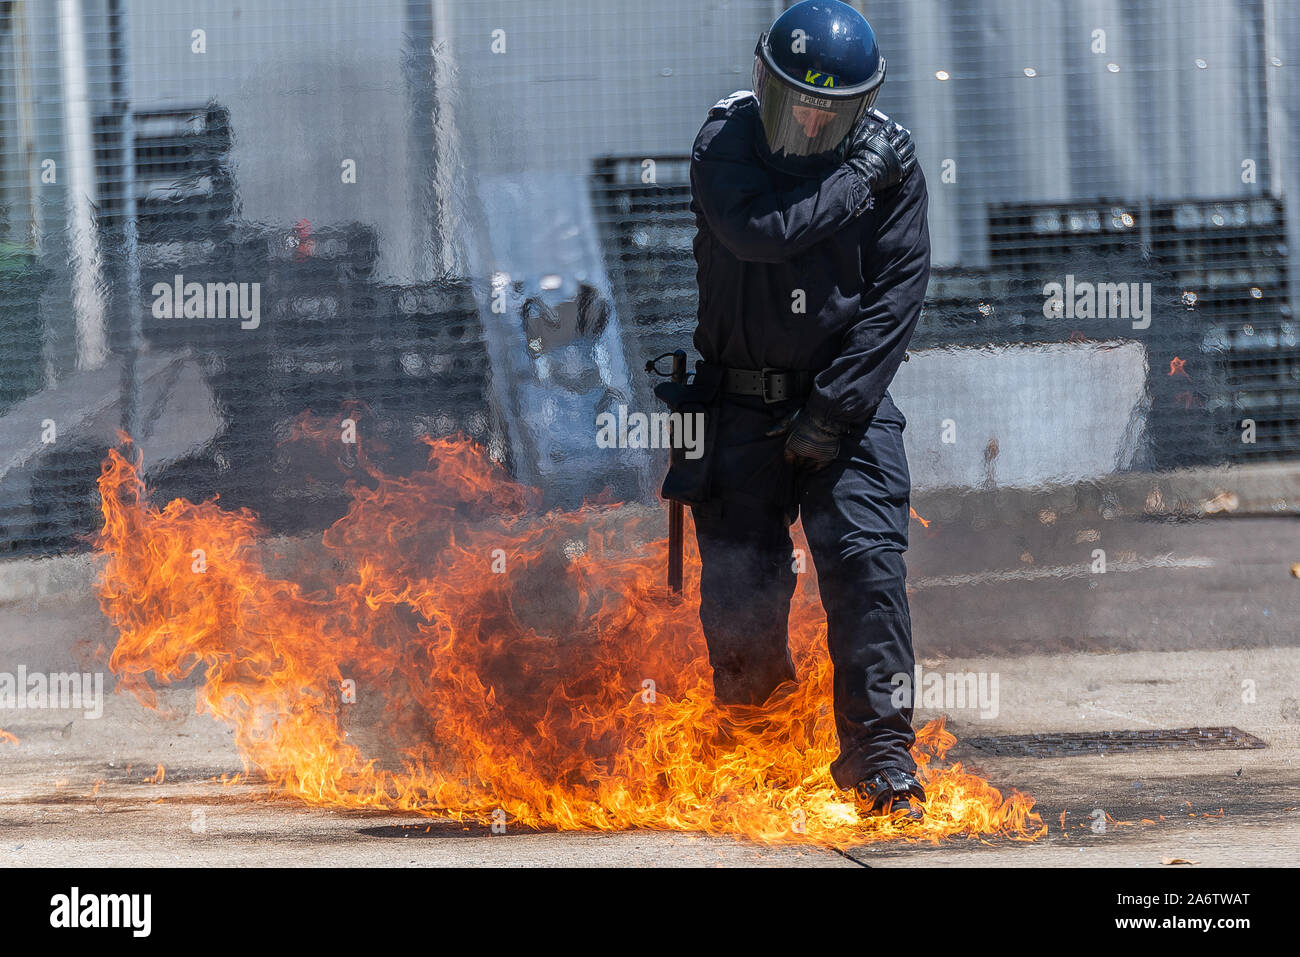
(727,103)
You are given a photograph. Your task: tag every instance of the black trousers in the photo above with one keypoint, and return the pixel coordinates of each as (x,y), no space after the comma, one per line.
(855,517)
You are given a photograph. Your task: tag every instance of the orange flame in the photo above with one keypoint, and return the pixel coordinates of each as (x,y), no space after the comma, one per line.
(6,737)
(513,662)
(924,522)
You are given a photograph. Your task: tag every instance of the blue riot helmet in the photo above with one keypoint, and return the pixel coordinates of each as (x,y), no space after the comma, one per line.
(816,72)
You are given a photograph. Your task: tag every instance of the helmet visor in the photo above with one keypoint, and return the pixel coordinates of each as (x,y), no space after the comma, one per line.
(806,127)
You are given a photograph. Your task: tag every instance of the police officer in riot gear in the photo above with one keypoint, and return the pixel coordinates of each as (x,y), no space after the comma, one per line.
(813,255)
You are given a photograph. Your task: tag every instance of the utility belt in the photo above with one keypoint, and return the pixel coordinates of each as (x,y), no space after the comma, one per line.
(773,385)
(690,480)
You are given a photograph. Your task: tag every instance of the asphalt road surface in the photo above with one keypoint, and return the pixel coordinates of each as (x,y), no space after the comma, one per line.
(1191,624)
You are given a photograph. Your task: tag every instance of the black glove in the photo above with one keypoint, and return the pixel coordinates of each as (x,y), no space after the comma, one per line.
(881,154)
(810,443)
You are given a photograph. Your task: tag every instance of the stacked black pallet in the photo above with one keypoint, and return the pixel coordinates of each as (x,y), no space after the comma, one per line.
(399,361)
(185,204)
(642,207)
(1192,418)
(183,185)
(1230,258)
(435,363)
(190,237)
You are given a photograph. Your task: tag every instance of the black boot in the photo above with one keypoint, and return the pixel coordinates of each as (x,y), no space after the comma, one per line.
(890,791)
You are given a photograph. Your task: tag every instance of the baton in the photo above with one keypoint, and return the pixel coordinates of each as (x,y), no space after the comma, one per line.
(676,512)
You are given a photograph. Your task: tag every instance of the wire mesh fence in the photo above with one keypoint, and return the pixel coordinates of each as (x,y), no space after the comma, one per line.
(438,217)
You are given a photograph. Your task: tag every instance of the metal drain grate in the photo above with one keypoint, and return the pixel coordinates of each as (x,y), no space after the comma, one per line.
(1068,743)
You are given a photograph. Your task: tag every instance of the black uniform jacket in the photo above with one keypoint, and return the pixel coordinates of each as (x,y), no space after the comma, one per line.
(768,245)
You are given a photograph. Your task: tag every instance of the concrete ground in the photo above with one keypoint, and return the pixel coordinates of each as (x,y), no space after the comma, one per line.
(1201,614)
(84,792)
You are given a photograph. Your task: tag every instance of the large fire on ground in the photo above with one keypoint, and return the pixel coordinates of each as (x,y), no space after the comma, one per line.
(513,661)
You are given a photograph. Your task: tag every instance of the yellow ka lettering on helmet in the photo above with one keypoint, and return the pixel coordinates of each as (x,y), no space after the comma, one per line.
(811,77)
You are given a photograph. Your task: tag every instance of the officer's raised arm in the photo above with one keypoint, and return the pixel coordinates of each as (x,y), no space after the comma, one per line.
(754,220)
(847,392)
(760,222)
